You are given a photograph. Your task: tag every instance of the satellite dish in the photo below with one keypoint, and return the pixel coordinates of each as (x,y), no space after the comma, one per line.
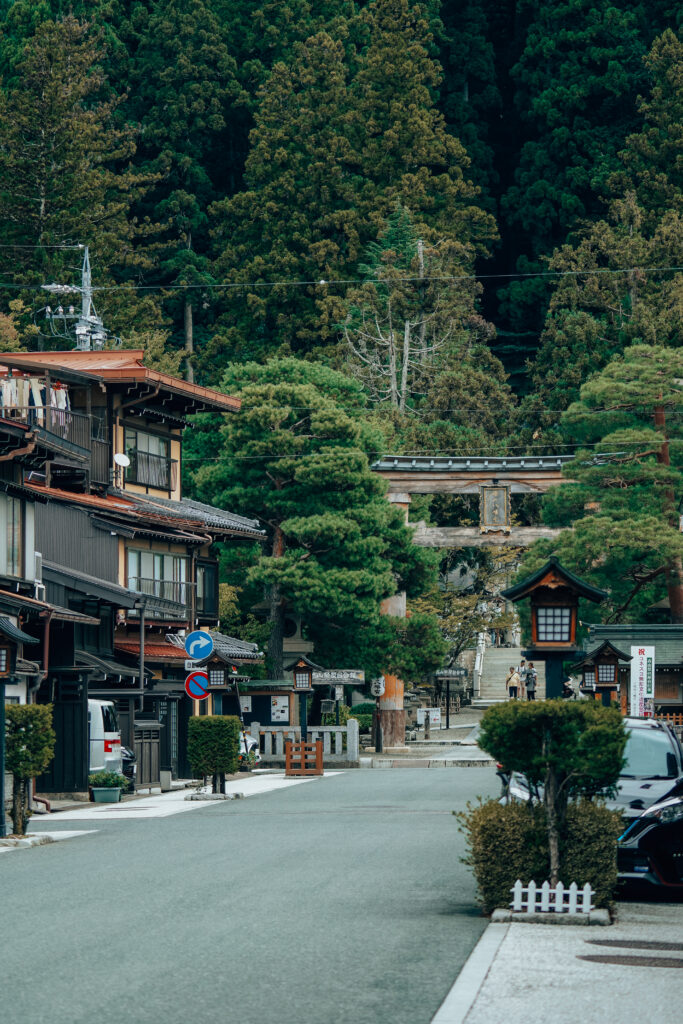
(121,460)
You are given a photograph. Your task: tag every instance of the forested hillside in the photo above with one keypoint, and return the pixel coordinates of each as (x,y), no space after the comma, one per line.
(458,203)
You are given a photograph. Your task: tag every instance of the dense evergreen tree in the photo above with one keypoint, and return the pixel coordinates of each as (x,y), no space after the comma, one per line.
(65,172)
(622,506)
(295,457)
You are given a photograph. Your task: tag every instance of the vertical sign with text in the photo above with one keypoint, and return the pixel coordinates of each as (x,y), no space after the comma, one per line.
(642,688)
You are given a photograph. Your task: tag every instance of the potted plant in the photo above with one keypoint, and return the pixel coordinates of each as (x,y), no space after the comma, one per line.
(106,787)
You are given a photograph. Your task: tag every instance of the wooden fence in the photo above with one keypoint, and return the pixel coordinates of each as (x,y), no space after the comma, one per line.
(533,899)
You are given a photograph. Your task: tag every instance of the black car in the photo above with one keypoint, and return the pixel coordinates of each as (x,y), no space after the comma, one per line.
(129,766)
(650,851)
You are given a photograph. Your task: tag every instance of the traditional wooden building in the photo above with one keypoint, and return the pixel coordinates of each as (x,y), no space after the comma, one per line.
(107,535)
(667,641)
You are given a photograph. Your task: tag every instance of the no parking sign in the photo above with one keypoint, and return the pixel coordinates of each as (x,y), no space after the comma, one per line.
(196,685)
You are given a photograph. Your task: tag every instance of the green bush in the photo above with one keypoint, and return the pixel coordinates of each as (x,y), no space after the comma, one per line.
(107,780)
(504,843)
(364,722)
(510,842)
(30,746)
(213,745)
(589,852)
(366,707)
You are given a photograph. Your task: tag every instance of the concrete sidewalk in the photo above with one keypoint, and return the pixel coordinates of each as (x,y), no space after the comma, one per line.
(535,974)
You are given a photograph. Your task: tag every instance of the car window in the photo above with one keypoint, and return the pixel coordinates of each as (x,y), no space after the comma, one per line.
(109,719)
(646,754)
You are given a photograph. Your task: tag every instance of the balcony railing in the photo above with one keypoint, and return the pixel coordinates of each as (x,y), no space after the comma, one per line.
(170,590)
(71,426)
(151,470)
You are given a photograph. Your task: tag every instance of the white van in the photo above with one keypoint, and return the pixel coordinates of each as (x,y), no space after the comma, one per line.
(105,737)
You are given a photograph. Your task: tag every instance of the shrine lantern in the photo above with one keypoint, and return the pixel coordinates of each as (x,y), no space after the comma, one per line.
(600,672)
(553,594)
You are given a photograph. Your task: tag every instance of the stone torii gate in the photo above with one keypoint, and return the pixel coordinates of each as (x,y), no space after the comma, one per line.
(495,480)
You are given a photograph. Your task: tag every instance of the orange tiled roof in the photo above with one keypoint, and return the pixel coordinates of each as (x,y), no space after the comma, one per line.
(109,503)
(118,365)
(152,650)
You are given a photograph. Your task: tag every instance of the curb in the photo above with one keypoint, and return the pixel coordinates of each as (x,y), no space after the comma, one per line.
(215,796)
(26,841)
(467,985)
(426,762)
(596,917)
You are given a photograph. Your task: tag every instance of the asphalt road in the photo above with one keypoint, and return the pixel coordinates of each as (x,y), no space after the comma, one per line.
(339,901)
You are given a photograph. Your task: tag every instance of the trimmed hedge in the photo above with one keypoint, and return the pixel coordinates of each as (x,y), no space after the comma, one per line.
(213,744)
(366,707)
(364,722)
(510,842)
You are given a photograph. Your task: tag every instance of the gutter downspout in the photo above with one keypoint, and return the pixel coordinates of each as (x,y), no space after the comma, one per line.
(142,605)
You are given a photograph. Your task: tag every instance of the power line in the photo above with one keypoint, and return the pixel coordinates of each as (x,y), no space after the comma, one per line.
(324,282)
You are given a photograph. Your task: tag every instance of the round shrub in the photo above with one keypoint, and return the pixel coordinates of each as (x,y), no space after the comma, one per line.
(589,852)
(504,843)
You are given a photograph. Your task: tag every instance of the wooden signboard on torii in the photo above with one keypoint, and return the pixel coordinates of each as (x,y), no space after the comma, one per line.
(495,480)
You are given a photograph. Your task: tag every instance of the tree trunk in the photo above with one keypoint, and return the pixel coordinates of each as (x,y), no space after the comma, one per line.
(277,613)
(550,800)
(18,806)
(674,570)
(189,342)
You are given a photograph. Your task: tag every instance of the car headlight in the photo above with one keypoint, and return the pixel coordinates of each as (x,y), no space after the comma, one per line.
(666,813)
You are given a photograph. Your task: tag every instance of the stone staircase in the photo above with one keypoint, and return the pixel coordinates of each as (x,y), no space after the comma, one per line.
(496,663)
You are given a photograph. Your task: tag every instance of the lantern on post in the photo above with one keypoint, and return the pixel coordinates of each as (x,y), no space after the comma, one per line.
(302,674)
(600,672)
(554,593)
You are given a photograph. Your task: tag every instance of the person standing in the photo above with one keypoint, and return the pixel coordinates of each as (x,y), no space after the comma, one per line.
(531,682)
(512,682)
(521,672)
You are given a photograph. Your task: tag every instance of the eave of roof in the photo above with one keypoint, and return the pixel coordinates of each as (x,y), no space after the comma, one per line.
(519,590)
(12,632)
(120,366)
(59,614)
(113,593)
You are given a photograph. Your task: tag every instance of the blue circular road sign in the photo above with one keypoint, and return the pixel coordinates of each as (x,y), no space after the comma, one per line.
(199,645)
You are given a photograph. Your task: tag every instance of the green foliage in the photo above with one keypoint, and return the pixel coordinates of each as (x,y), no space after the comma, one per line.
(364,721)
(213,743)
(107,780)
(30,746)
(620,510)
(65,172)
(582,742)
(30,739)
(573,748)
(364,708)
(505,843)
(296,459)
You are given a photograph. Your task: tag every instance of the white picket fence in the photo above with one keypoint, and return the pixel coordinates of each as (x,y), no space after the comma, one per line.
(559,900)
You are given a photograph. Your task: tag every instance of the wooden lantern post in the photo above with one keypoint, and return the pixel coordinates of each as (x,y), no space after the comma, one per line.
(554,593)
(302,673)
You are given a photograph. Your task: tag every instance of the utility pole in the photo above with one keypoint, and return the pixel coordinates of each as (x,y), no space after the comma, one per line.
(89,330)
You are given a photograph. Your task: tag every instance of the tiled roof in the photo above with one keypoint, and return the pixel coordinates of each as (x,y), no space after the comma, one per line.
(468,463)
(214,518)
(185,515)
(119,365)
(232,649)
(59,614)
(153,652)
(227,647)
(666,639)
